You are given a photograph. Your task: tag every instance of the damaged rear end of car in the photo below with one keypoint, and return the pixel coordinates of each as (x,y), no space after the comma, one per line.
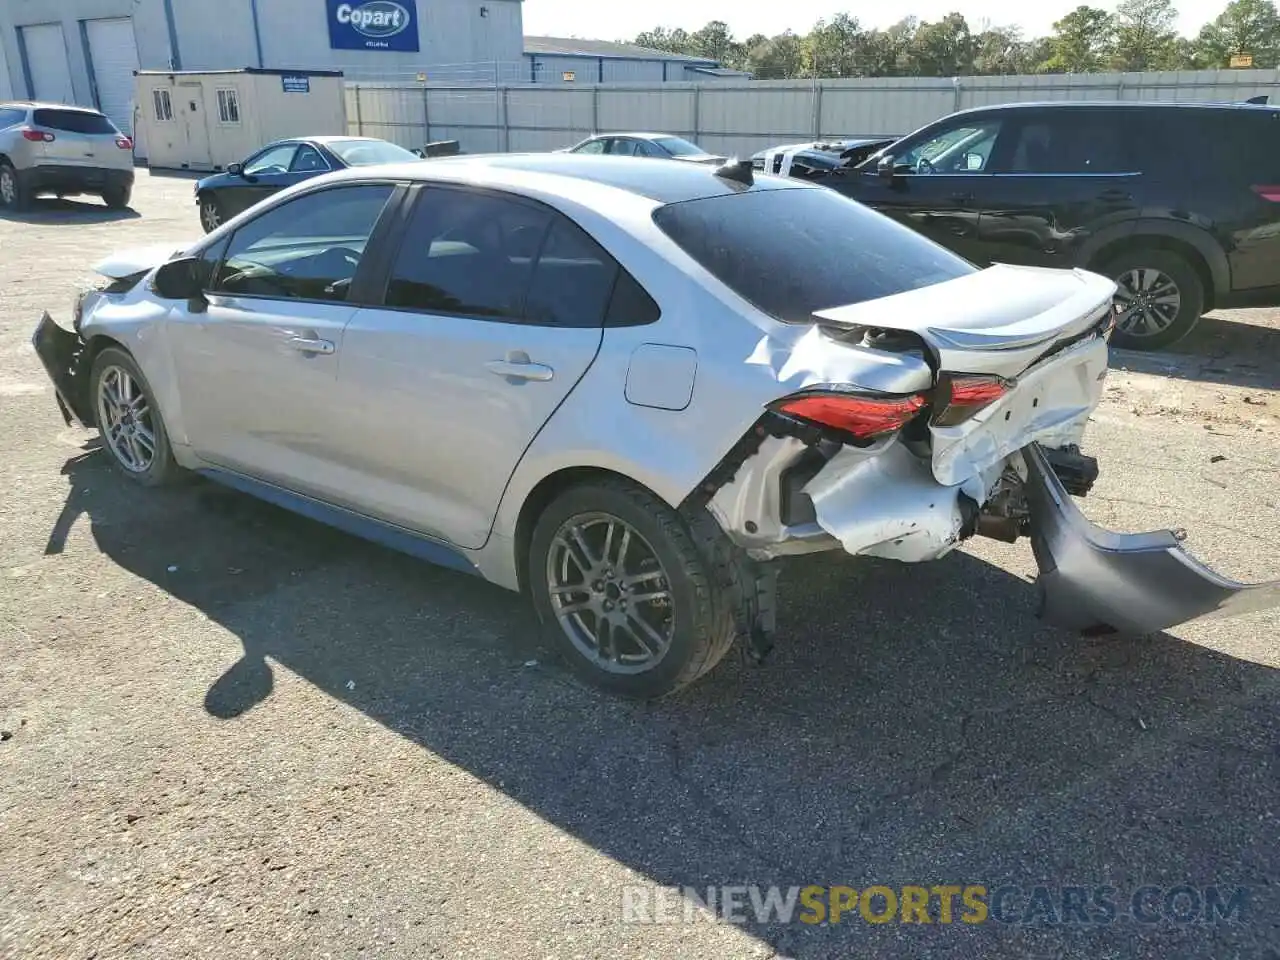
(943,402)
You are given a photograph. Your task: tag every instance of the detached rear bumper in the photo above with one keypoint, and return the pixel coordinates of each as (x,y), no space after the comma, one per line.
(1099,582)
(66,361)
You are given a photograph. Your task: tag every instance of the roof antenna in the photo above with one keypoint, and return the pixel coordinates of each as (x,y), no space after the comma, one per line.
(737,170)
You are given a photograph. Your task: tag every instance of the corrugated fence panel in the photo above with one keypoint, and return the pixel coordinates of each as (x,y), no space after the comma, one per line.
(742,117)
(666,110)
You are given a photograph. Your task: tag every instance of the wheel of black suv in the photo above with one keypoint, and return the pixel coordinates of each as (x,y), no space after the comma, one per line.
(632,597)
(1160,296)
(117,198)
(211,215)
(13,192)
(129,421)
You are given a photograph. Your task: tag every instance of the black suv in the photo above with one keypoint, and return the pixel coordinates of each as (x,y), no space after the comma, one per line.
(1178,203)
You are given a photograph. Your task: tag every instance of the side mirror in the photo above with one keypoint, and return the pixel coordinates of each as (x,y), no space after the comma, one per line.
(180,280)
(887,167)
(235,169)
(973,161)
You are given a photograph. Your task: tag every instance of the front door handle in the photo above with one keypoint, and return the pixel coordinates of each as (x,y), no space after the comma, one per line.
(308,345)
(962,197)
(518,366)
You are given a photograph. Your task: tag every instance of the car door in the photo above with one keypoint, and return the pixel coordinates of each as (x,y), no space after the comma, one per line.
(938,177)
(1064,175)
(257,367)
(494,310)
(263,174)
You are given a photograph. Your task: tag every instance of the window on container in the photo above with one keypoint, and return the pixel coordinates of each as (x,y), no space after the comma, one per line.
(163,104)
(228,106)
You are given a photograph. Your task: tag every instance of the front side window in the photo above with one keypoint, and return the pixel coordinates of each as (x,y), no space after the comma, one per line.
(275,159)
(468,253)
(163,104)
(228,106)
(308,248)
(960,148)
(9,116)
(797,251)
(591,146)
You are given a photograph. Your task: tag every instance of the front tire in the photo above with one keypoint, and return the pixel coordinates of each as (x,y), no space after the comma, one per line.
(129,420)
(627,592)
(211,214)
(1160,296)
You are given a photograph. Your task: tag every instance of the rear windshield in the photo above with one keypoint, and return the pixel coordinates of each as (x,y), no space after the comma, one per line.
(363,153)
(794,252)
(73,121)
(678,147)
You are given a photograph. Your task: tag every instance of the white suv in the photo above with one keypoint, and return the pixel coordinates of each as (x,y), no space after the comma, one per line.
(60,149)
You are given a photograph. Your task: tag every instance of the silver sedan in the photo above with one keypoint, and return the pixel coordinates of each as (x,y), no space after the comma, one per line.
(625,389)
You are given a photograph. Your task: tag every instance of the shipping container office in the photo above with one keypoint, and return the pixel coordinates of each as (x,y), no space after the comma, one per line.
(204,120)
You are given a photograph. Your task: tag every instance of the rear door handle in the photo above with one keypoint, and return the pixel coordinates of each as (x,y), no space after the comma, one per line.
(520,369)
(307,345)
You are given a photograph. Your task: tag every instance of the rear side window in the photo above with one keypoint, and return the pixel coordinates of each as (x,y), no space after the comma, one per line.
(9,116)
(793,252)
(1071,142)
(1193,143)
(73,121)
(573,280)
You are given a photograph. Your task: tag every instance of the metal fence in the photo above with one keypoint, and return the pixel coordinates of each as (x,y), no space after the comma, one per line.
(738,118)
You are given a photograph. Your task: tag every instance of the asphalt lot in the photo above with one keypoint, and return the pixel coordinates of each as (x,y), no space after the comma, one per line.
(227,731)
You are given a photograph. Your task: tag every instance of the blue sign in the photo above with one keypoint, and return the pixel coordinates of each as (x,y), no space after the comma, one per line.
(373,25)
(295,84)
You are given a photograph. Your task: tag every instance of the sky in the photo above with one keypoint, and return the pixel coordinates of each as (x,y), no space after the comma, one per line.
(623,19)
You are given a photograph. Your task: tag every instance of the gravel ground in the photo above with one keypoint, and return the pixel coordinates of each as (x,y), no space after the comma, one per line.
(227,731)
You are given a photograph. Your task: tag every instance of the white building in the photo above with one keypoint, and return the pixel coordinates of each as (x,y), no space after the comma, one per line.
(85,51)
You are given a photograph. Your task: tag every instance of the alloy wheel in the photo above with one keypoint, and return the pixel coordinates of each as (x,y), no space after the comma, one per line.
(209,216)
(124,415)
(8,187)
(1149,301)
(610,593)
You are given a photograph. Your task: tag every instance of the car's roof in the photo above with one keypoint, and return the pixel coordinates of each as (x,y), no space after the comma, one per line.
(561,173)
(1125,105)
(48,105)
(637,135)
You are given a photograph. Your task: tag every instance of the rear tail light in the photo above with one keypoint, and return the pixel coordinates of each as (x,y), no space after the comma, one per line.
(862,416)
(37,136)
(124,143)
(959,398)
(1266,192)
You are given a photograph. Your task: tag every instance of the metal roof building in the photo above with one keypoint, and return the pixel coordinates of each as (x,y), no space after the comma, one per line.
(570,60)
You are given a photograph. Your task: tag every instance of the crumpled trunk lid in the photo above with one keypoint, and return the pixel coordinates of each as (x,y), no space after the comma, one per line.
(997,321)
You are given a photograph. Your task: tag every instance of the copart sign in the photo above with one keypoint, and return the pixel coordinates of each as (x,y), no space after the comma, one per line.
(373,25)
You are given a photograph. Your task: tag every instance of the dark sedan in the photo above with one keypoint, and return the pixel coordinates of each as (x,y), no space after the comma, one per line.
(282,164)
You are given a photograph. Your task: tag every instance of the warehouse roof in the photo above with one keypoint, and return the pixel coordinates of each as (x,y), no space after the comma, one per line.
(573,47)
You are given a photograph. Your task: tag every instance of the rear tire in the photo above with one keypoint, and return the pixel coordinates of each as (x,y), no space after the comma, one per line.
(136,441)
(14,194)
(628,593)
(1161,297)
(117,198)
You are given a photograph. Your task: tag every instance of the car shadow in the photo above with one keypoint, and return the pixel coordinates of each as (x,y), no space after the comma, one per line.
(916,725)
(54,210)
(1220,349)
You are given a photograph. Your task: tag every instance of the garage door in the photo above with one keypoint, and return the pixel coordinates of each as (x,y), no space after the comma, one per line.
(47,60)
(115,56)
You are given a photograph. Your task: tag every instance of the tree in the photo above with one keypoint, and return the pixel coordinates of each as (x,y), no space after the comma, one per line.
(715,42)
(943,49)
(1145,35)
(999,51)
(1245,27)
(776,58)
(660,38)
(834,49)
(1081,41)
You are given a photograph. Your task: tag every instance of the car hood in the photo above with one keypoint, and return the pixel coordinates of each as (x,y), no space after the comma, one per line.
(125,263)
(216,181)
